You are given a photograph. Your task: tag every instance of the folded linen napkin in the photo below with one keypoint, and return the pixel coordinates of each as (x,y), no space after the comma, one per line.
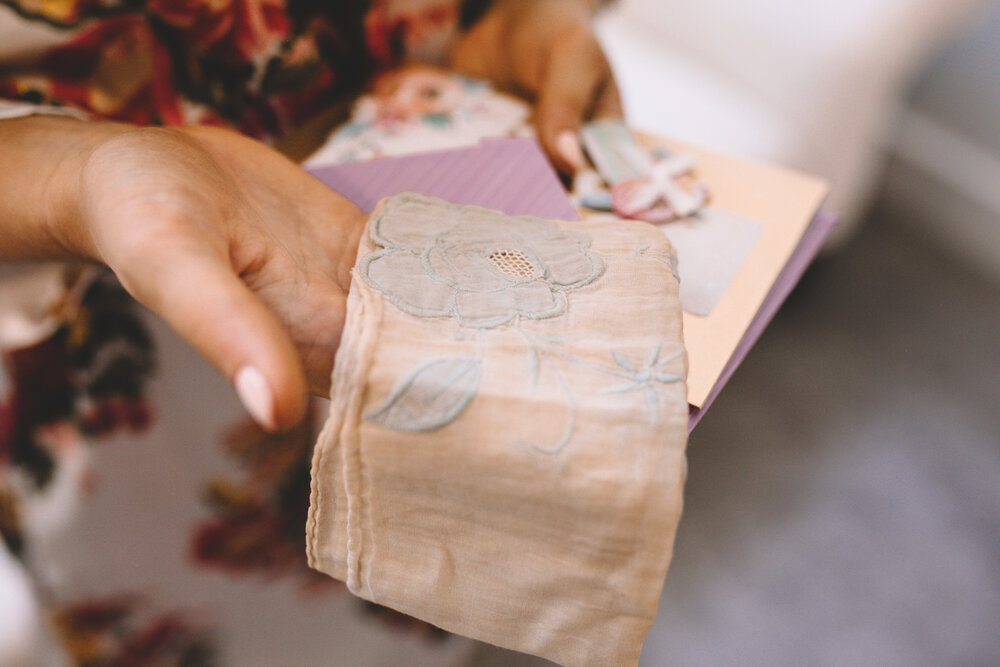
(504,455)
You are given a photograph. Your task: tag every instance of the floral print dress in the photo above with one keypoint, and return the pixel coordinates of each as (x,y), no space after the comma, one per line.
(143,519)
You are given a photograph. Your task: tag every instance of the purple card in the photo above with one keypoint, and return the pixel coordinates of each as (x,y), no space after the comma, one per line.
(509,175)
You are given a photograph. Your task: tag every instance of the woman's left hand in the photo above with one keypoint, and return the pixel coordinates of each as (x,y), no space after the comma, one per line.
(546,51)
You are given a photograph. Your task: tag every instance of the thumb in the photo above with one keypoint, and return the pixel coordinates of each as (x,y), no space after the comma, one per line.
(197,292)
(578,84)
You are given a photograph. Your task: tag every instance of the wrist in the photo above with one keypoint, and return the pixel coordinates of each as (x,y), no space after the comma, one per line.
(40,215)
(67,223)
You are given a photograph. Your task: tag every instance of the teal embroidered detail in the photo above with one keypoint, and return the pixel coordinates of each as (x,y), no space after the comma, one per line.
(481,267)
(545,350)
(646,377)
(430,396)
(485,270)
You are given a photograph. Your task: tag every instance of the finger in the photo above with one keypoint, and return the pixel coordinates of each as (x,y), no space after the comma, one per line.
(576,83)
(197,292)
(609,102)
(475,53)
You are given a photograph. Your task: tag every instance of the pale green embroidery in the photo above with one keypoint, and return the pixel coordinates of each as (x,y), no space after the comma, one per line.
(540,356)
(486,270)
(432,395)
(480,267)
(669,259)
(647,377)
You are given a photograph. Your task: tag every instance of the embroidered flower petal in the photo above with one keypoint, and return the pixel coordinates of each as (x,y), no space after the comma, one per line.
(481,266)
(465,270)
(409,223)
(536,300)
(568,269)
(623,361)
(532,300)
(576,270)
(401,275)
(476,232)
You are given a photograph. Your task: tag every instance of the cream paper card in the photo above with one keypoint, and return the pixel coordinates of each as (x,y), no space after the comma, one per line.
(784,202)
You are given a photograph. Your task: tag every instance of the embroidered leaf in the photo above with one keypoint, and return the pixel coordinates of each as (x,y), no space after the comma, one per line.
(653,355)
(623,361)
(432,395)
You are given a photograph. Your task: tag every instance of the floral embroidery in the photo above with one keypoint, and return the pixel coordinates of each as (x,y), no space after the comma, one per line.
(545,350)
(644,378)
(484,270)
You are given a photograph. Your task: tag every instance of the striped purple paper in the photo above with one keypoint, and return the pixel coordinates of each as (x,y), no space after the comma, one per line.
(509,175)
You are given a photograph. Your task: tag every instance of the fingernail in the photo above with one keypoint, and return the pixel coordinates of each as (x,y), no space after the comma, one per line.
(568,145)
(256,395)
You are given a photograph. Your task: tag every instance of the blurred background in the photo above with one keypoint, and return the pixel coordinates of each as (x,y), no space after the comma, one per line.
(843,503)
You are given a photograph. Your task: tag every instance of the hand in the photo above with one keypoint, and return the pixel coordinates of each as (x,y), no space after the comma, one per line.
(545,50)
(241,251)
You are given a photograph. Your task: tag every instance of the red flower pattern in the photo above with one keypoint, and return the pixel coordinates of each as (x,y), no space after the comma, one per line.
(170,62)
(232,31)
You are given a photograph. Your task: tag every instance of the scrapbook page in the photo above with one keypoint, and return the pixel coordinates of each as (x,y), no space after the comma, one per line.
(736,225)
(783,202)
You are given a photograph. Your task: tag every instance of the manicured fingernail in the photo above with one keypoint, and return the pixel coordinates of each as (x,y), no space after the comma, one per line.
(256,395)
(568,145)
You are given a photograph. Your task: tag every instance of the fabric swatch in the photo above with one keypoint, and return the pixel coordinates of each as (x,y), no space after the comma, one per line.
(504,455)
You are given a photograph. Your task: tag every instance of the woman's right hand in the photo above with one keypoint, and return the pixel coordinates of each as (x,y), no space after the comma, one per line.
(546,50)
(240,250)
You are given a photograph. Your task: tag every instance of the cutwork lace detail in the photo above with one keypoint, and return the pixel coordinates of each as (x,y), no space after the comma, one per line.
(481,267)
(486,270)
(513,263)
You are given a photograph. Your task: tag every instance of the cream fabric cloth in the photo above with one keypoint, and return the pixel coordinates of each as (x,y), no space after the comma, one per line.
(504,456)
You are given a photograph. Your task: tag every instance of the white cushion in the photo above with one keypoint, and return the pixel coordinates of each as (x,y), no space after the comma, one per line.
(809,85)
(669,93)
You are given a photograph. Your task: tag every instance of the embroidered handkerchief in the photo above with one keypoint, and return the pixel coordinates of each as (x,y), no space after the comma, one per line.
(504,456)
